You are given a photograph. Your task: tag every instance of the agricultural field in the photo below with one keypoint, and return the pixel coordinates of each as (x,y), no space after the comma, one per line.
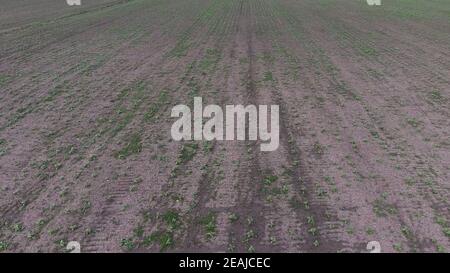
(86,152)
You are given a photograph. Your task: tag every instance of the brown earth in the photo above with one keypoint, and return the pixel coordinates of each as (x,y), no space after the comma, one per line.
(86,152)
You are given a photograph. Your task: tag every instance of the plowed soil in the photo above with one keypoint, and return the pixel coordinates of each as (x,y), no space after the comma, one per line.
(85,147)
